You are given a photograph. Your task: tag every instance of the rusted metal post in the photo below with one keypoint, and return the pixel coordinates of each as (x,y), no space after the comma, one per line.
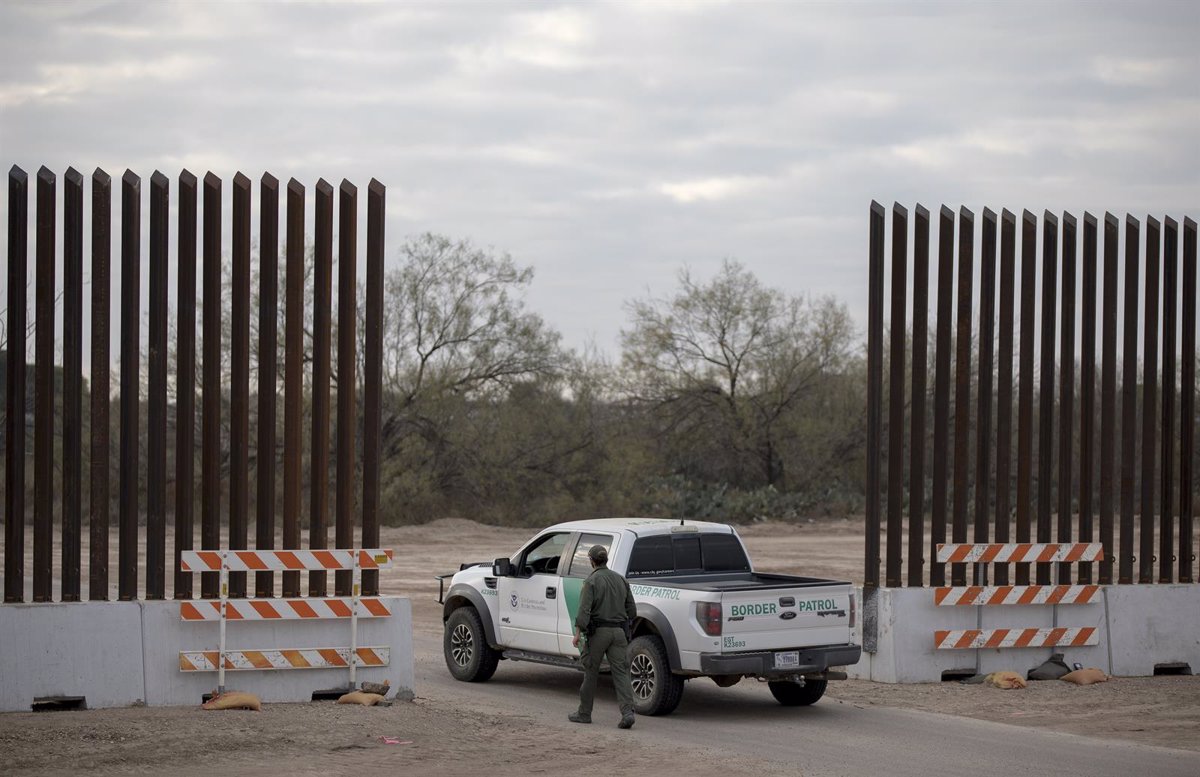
(318,533)
(1187,407)
(373,378)
(1087,390)
(874,392)
(43,389)
(1129,393)
(1149,398)
(962,386)
(1025,387)
(1166,526)
(895,450)
(1108,396)
(293,378)
(210,395)
(100,453)
(131,308)
(920,346)
(1046,391)
(268,324)
(185,382)
(941,394)
(1066,389)
(14,409)
(1004,387)
(156,431)
(239,390)
(347,416)
(987,326)
(72,412)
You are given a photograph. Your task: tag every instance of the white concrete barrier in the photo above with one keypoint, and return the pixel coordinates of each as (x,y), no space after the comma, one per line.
(89,649)
(1139,627)
(120,653)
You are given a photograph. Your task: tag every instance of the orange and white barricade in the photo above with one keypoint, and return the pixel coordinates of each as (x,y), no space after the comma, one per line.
(984,595)
(225,609)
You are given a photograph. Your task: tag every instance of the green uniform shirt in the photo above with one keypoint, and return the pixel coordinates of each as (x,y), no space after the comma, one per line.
(606,597)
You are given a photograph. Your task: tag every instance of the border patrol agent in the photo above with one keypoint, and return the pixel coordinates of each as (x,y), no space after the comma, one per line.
(605,607)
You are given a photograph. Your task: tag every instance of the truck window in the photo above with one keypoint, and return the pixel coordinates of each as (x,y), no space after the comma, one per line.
(543,557)
(581,565)
(674,554)
(651,556)
(687,554)
(723,553)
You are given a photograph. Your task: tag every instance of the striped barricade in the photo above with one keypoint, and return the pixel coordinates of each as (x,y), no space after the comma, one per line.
(303,658)
(999,595)
(225,609)
(283,609)
(1017,552)
(1014,594)
(960,639)
(283,560)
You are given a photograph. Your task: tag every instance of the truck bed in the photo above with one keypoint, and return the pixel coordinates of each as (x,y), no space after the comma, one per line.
(734,581)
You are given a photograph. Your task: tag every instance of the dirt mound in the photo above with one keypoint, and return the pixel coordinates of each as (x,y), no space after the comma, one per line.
(456,526)
(460,532)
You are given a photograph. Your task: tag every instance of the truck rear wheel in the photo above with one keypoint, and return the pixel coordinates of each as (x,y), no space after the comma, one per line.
(791,694)
(655,690)
(469,657)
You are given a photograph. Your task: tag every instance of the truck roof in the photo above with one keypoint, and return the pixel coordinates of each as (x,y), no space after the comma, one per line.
(643,526)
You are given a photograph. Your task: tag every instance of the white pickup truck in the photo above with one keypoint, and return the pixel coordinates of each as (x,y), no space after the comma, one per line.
(702,611)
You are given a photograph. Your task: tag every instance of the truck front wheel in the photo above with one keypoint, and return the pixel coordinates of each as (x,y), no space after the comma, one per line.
(469,657)
(791,694)
(655,690)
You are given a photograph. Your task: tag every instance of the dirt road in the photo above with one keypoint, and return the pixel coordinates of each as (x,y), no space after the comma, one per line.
(516,723)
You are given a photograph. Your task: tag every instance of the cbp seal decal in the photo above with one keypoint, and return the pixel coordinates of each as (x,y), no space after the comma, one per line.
(513,601)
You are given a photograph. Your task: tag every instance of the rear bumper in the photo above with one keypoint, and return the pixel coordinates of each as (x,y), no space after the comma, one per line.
(762,664)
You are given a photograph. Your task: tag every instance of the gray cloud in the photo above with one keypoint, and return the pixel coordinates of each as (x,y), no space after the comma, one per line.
(609,144)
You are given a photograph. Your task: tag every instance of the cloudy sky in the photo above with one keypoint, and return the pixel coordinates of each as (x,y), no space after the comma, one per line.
(610,144)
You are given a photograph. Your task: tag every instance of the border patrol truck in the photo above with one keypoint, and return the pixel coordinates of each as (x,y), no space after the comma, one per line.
(702,611)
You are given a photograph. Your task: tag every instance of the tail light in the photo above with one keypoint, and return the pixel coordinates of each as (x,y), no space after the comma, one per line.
(708,614)
(853,610)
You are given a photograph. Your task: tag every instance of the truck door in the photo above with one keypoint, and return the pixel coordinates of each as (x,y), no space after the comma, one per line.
(528,606)
(578,567)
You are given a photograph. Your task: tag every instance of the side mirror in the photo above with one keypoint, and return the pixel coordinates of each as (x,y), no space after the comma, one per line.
(502,567)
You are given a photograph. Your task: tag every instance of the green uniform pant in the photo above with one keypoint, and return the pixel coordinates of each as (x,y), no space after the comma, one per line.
(610,642)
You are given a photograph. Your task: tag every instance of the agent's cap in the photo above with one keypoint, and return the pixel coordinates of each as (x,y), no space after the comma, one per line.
(599,554)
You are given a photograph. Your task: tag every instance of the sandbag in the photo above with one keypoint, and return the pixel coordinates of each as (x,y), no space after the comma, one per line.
(233,700)
(360,697)
(380,688)
(1052,668)
(1005,680)
(1088,676)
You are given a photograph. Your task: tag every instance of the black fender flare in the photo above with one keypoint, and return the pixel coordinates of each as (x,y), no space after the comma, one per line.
(654,616)
(462,595)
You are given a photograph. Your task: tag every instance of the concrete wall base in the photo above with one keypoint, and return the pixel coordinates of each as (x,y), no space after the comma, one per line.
(120,653)
(1139,627)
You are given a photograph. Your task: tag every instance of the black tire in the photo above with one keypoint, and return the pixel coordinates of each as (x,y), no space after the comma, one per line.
(468,655)
(791,694)
(655,690)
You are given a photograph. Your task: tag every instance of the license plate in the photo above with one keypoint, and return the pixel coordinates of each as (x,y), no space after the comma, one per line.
(787,660)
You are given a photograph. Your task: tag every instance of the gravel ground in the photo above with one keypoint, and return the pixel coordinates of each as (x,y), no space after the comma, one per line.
(447,739)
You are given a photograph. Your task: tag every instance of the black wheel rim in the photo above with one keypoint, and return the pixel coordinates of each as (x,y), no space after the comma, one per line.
(641,676)
(462,645)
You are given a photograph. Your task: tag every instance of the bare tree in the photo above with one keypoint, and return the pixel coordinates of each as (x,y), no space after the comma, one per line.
(722,363)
